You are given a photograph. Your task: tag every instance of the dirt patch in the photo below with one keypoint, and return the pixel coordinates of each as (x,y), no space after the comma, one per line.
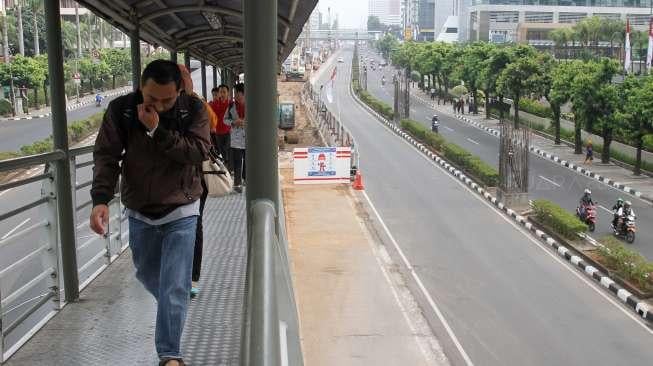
(304,134)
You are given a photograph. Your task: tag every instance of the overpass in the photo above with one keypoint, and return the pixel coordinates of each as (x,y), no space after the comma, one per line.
(341,34)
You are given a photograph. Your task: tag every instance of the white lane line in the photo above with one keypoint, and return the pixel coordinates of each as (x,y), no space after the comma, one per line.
(606,210)
(550,181)
(426,294)
(447,128)
(14,229)
(472,141)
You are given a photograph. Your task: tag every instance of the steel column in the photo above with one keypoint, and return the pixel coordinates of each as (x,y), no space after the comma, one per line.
(215,77)
(135,47)
(65,204)
(203,73)
(260,23)
(173,56)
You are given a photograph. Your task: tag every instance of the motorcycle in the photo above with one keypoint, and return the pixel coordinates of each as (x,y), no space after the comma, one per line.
(626,229)
(590,217)
(383,82)
(435,125)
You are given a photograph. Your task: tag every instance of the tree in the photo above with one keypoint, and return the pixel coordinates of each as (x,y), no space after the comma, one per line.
(519,78)
(373,23)
(386,45)
(637,95)
(118,61)
(544,84)
(491,68)
(470,68)
(562,77)
(95,71)
(26,72)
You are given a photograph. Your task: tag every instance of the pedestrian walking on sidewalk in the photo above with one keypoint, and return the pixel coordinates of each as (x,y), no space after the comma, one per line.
(164,133)
(221,135)
(589,153)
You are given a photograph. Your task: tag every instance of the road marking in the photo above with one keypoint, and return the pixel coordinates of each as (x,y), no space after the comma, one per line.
(550,181)
(472,141)
(14,229)
(527,234)
(606,210)
(5,191)
(425,292)
(447,128)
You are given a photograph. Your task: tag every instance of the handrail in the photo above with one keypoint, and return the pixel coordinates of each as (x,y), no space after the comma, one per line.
(270,326)
(27,161)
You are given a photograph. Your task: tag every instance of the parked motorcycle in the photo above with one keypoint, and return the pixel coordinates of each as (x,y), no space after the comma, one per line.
(626,229)
(590,217)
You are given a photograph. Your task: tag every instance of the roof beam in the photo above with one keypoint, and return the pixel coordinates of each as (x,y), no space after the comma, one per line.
(214,37)
(200,8)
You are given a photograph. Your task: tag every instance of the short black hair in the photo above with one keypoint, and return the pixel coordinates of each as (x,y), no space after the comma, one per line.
(240,88)
(162,72)
(217,88)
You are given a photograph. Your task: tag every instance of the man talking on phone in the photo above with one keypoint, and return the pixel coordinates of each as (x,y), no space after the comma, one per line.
(156,139)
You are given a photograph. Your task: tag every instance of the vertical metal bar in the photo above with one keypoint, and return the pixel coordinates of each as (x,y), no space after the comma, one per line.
(203,73)
(135,46)
(215,77)
(65,208)
(187,59)
(53,258)
(2,337)
(173,56)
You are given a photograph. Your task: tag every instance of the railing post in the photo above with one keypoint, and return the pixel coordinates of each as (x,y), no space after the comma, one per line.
(65,204)
(54,257)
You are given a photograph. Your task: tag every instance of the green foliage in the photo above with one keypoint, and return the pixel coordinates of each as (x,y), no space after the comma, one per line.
(560,220)
(458,91)
(627,263)
(377,105)
(4,155)
(93,70)
(26,71)
(118,62)
(5,107)
(373,23)
(387,45)
(536,108)
(76,132)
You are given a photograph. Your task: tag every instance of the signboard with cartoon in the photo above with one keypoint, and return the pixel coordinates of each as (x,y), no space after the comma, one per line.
(322,165)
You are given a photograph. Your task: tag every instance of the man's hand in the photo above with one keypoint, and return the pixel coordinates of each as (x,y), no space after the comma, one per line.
(148,116)
(100,219)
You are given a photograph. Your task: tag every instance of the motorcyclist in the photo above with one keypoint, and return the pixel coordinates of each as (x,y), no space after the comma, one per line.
(383,80)
(434,123)
(98,99)
(615,210)
(624,212)
(585,201)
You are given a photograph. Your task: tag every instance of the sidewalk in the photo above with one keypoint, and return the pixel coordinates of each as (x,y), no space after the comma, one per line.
(610,174)
(353,306)
(84,101)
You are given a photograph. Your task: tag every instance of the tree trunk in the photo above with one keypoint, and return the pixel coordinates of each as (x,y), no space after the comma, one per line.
(89,20)
(5,42)
(556,121)
(45,93)
(79,32)
(474,94)
(36,98)
(101,26)
(638,158)
(578,143)
(515,105)
(37,50)
(21,38)
(487,104)
(607,141)
(113,82)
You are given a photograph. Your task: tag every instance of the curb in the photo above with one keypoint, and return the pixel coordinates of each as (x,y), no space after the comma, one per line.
(640,307)
(567,164)
(69,108)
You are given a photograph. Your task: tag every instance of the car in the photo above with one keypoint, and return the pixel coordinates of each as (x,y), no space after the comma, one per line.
(340,59)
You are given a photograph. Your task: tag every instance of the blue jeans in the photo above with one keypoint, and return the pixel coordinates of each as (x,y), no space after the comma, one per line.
(163,257)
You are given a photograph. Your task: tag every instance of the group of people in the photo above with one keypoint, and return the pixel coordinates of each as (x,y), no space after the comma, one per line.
(621,210)
(156,139)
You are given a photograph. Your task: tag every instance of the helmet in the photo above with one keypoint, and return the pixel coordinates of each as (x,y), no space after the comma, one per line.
(587,191)
(620,200)
(627,204)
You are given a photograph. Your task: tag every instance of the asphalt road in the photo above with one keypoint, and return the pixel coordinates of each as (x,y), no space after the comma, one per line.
(547,180)
(507,300)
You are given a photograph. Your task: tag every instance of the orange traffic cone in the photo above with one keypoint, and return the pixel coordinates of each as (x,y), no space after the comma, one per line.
(358,181)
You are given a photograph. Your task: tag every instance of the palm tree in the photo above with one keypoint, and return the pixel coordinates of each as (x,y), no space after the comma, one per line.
(35,5)
(21,38)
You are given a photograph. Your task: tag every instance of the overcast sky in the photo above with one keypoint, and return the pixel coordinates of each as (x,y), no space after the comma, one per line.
(351,13)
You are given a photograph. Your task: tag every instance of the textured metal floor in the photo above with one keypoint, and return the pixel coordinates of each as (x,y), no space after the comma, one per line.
(114,321)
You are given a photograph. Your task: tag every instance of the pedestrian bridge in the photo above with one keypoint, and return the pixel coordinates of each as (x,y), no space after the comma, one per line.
(68,296)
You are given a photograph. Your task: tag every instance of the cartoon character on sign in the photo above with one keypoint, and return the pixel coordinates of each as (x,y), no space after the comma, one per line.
(321,162)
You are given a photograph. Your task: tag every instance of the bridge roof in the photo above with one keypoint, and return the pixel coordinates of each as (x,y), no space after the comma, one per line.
(212,30)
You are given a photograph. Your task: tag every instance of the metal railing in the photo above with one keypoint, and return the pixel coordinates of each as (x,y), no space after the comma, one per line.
(31,273)
(271,326)
(332,131)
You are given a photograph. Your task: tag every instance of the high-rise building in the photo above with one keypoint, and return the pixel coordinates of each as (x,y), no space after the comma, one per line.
(530,21)
(388,11)
(426,20)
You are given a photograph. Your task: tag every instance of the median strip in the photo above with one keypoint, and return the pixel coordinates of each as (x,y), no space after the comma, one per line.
(642,308)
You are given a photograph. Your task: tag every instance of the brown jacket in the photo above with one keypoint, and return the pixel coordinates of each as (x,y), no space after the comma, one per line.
(159,173)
